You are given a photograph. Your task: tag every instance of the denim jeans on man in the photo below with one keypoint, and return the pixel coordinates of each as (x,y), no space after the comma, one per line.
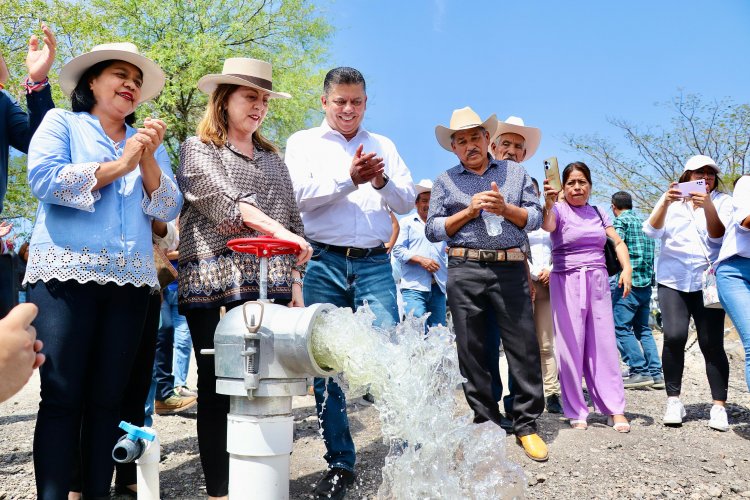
(733,282)
(632,331)
(419,303)
(172,352)
(346,282)
(183,344)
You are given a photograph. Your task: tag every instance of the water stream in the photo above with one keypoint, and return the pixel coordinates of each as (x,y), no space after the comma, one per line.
(435,451)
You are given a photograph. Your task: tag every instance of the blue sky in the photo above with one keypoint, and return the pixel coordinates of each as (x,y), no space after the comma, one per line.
(562,66)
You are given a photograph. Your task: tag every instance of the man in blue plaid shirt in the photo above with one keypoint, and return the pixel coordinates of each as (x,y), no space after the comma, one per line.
(634,338)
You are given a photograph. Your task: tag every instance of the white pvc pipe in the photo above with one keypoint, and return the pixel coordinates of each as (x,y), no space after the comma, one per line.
(259,450)
(148,471)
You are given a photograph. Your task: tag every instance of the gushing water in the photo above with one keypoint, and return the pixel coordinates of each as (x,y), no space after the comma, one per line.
(435,452)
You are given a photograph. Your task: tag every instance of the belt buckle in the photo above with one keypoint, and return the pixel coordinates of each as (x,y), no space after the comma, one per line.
(356,253)
(488,255)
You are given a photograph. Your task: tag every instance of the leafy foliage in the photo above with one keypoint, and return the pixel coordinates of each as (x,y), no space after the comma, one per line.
(188,39)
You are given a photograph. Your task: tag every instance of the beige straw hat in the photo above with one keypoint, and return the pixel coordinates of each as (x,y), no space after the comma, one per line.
(243,71)
(463,119)
(153,76)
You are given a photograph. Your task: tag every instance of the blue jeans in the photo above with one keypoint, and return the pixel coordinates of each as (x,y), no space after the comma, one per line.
(632,331)
(345,282)
(172,359)
(419,303)
(733,282)
(183,344)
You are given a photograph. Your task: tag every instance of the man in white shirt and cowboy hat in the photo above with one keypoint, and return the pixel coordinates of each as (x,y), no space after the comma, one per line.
(346,181)
(424,264)
(515,141)
(482,208)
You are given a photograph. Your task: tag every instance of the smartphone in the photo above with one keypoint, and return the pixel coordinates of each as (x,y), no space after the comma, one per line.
(552,173)
(686,188)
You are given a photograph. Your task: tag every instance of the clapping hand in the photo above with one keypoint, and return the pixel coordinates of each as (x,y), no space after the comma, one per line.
(367,168)
(151,135)
(39,61)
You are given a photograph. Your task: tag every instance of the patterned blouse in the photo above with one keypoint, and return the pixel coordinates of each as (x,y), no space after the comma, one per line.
(214,181)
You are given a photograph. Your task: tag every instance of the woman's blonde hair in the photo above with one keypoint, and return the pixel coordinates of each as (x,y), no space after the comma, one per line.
(214,125)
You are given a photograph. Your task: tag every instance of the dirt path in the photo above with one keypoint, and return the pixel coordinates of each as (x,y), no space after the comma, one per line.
(651,462)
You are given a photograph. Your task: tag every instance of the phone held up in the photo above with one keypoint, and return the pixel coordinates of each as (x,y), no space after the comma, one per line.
(552,173)
(696,186)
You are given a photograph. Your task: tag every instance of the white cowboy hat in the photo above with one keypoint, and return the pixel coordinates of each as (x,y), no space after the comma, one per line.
(463,119)
(515,125)
(153,76)
(423,186)
(700,161)
(245,72)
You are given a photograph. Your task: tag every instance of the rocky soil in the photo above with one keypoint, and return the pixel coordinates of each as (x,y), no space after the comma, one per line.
(652,461)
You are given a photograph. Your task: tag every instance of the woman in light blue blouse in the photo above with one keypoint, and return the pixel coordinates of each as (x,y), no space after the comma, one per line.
(100,182)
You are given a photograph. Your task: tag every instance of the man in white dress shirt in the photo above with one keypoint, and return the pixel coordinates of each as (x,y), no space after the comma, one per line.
(345,180)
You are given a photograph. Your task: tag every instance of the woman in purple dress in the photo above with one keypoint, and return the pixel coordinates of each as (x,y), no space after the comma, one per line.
(581,303)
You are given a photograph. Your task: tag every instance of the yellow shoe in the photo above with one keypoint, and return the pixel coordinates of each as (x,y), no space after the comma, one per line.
(534,447)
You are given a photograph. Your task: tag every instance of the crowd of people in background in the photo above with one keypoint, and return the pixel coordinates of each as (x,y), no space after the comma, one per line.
(518,264)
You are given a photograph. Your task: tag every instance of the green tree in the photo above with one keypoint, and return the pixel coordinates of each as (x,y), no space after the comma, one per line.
(191,38)
(719,129)
(19,202)
(188,39)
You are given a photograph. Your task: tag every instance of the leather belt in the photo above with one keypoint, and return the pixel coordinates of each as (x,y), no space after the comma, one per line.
(351,252)
(480,255)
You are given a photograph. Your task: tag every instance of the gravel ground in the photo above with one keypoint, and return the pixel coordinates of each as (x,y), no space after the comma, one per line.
(652,461)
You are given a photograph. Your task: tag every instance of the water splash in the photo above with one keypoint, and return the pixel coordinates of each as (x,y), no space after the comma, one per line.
(435,452)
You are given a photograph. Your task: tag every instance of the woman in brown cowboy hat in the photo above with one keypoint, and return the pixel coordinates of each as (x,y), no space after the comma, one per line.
(100,183)
(235,186)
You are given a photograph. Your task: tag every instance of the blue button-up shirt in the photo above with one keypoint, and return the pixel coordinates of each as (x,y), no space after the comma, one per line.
(413,242)
(452,192)
(83,234)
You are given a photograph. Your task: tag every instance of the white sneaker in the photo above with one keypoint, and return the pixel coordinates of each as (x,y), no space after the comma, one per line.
(675,412)
(719,418)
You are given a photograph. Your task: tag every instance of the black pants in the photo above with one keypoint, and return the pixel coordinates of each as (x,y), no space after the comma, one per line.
(212,408)
(134,402)
(91,333)
(479,289)
(676,309)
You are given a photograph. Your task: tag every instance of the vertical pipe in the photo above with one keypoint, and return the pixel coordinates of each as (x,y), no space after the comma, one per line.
(148,471)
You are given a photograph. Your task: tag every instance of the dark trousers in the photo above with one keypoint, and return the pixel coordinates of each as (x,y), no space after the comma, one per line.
(479,289)
(139,384)
(91,333)
(212,408)
(676,309)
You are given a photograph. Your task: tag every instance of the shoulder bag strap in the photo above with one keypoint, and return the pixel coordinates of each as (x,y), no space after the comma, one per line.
(700,238)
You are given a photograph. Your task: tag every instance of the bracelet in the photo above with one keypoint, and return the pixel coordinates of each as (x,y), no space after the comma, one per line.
(297,281)
(33,86)
(2,86)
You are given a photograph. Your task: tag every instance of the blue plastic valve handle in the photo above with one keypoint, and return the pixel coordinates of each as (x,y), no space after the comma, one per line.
(137,432)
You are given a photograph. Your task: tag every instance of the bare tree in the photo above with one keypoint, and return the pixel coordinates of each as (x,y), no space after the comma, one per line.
(719,129)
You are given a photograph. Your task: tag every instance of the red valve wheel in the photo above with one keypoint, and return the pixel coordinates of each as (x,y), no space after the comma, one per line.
(264,246)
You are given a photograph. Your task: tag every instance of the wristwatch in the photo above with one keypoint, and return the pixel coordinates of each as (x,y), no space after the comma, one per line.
(386,179)
(297,281)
